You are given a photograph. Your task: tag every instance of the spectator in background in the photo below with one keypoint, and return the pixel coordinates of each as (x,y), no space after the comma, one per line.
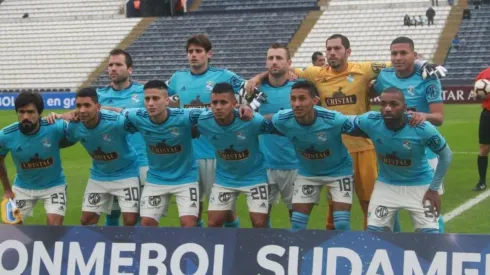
(456,43)
(180,7)
(450,2)
(137,8)
(430,13)
(317,59)
(421,20)
(415,22)
(467,14)
(406,20)
(436,2)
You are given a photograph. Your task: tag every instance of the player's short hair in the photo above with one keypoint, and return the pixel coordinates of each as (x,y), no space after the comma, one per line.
(310,87)
(403,40)
(394,90)
(223,88)
(88,92)
(25,98)
(279,46)
(200,40)
(127,56)
(344,40)
(315,56)
(156,84)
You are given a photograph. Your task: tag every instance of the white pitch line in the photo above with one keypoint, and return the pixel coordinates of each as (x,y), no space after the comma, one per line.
(465,206)
(465,153)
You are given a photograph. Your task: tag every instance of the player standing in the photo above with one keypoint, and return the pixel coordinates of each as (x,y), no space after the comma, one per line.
(484,136)
(124,93)
(35,147)
(423,97)
(406,180)
(240,164)
(193,88)
(114,169)
(316,134)
(279,154)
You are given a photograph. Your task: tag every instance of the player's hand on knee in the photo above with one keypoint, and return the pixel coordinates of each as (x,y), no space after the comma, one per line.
(246,113)
(434,199)
(417,118)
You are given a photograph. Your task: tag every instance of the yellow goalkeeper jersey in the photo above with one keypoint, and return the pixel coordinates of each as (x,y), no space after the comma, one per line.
(346,92)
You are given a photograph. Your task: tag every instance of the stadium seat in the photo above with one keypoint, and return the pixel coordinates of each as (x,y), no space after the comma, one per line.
(371,25)
(60,43)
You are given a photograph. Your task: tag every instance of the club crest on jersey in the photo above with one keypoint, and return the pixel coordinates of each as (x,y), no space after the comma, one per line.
(106,138)
(339,98)
(240,136)
(321,137)
(174,132)
(210,85)
(411,90)
(135,98)
(46,143)
(407,145)
(350,78)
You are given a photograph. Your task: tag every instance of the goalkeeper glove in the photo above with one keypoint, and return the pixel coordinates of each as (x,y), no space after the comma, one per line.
(429,70)
(255,99)
(10,213)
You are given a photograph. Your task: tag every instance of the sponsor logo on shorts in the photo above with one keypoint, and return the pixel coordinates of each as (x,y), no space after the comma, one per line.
(313,154)
(93,198)
(35,163)
(381,212)
(99,155)
(154,200)
(308,189)
(163,148)
(339,98)
(21,203)
(392,159)
(194,205)
(231,154)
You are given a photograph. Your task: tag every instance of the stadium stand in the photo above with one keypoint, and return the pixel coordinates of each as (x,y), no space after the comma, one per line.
(59,44)
(219,5)
(371,26)
(240,41)
(472,56)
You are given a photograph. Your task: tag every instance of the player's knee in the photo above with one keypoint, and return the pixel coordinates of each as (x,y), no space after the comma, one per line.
(130,219)
(484,150)
(89,219)
(145,221)
(215,223)
(188,221)
(259,223)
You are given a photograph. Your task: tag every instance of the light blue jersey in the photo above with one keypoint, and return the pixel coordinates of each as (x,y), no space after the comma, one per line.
(112,157)
(278,151)
(401,154)
(131,97)
(168,145)
(318,146)
(194,91)
(419,93)
(239,161)
(37,156)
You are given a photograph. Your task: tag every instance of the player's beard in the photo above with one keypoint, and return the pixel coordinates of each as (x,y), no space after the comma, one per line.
(27,127)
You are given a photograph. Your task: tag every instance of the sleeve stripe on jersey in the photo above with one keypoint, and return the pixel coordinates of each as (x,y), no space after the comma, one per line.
(329,116)
(175,112)
(108,117)
(375,116)
(206,116)
(11,129)
(285,116)
(442,148)
(421,126)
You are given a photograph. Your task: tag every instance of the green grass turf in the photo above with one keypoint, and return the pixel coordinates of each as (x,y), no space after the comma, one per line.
(460,129)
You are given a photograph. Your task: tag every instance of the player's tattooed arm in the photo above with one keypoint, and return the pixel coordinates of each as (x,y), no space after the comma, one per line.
(7,188)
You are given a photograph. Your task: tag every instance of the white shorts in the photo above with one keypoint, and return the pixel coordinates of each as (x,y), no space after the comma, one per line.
(99,195)
(142,179)
(155,200)
(433,163)
(206,177)
(308,189)
(281,182)
(224,198)
(54,199)
(387,199)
